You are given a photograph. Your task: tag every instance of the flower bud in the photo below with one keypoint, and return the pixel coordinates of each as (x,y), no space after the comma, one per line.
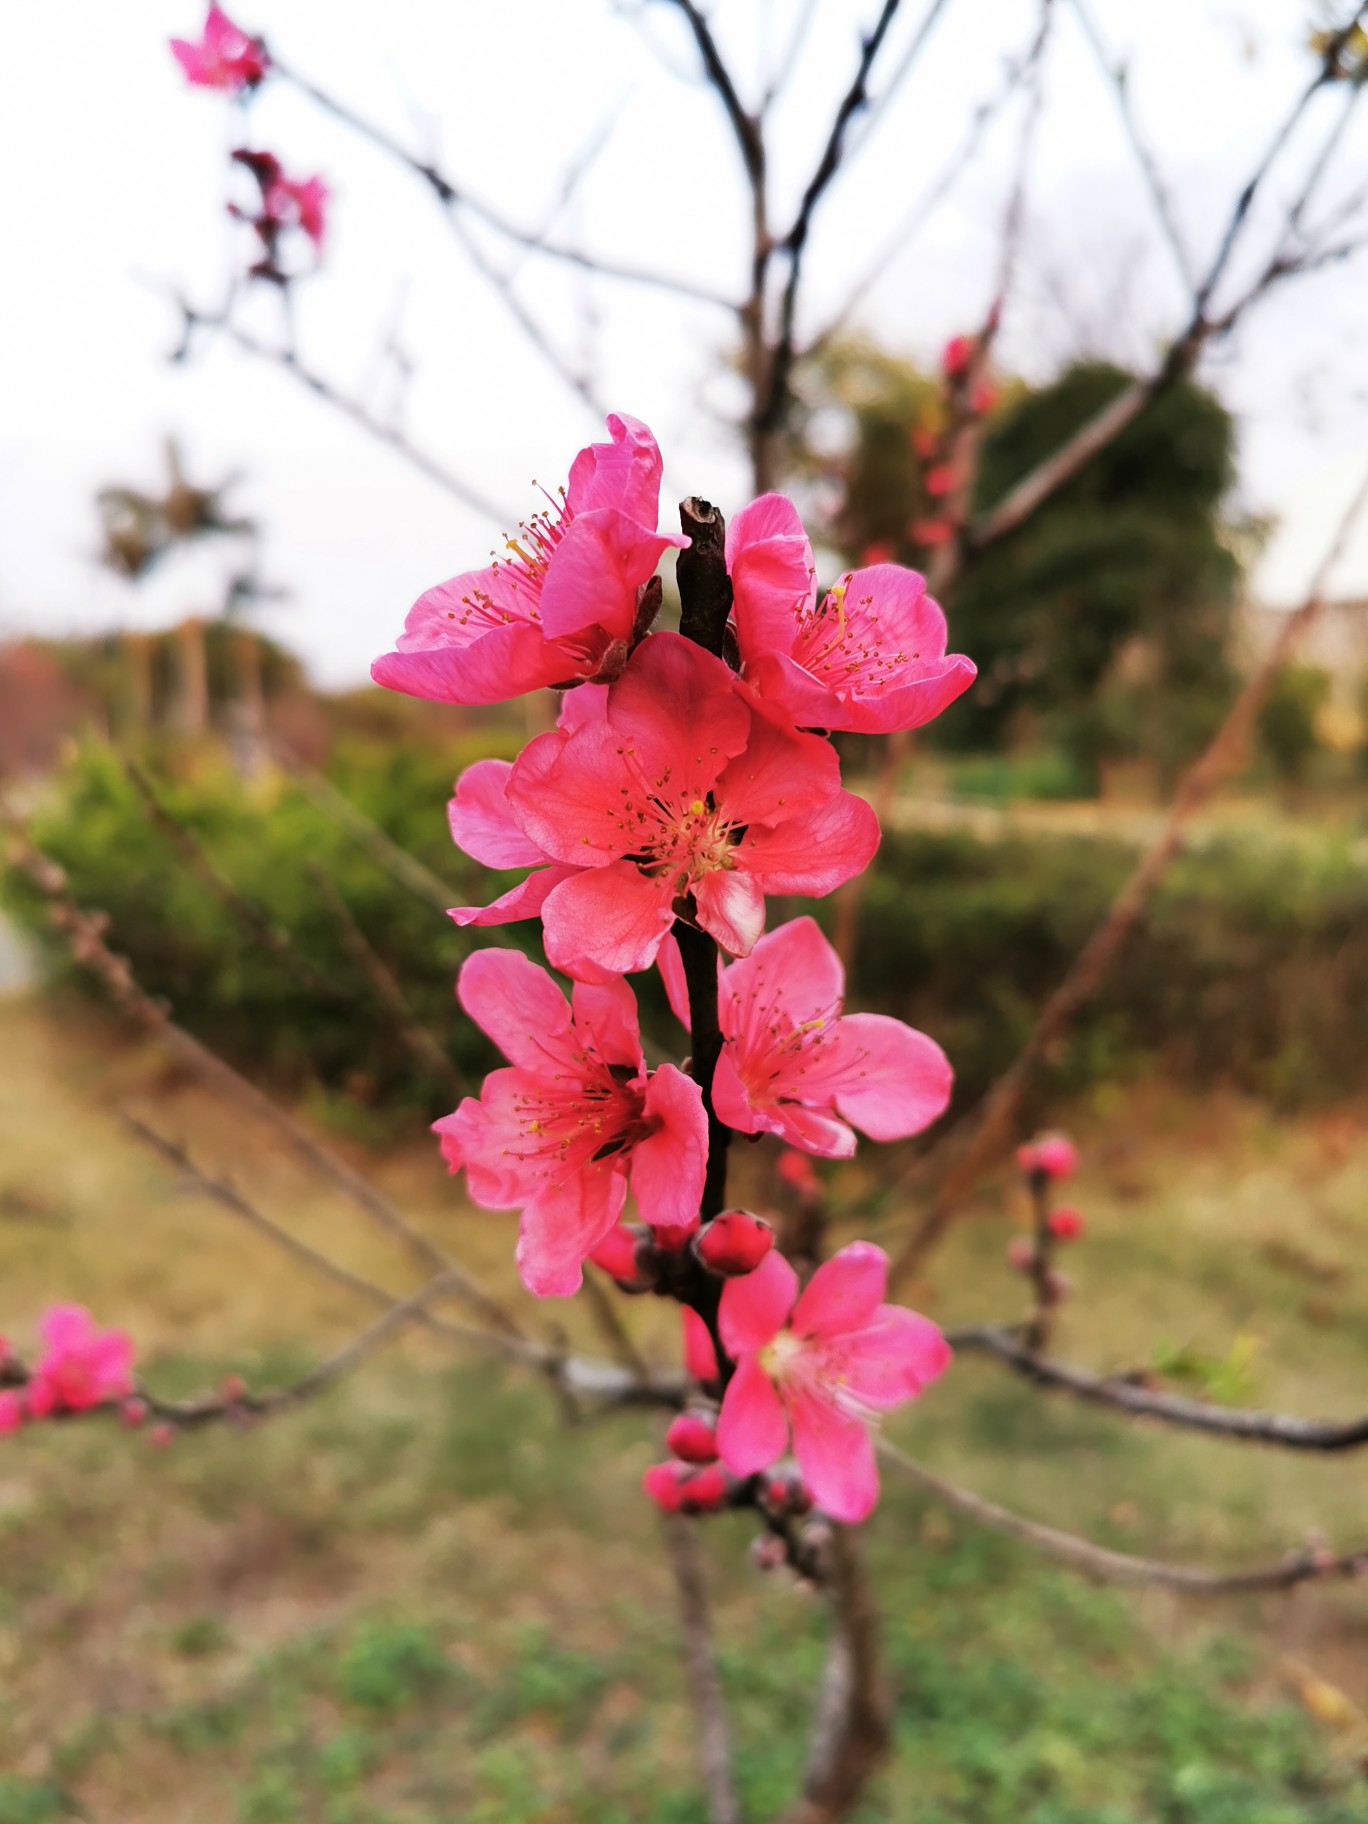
(1020,1253)
(956,356)
(1066,1223)
(161,1436)
(617,1252)
(133,1413)
(1048,1156)
(674,1241)
(663,1482)
(692,1438)
(12,1413)
(734,1243)
(704,1490)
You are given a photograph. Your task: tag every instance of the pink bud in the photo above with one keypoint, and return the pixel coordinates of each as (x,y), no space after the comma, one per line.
(663,1482)
(798,1172)
(932,531)
(734,1242)
(704,1491)
(880,552)
(940,478)
(11,1412)
(956,355)
(925,442)
(692,1438)
(1066,1223)
(616,1253)
(133,1413)
(1020,1253)
(674,1241)
(1056,1156)
(161,1436)
(700,1358)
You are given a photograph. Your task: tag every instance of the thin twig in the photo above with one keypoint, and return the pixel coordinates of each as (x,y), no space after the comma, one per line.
(705,1686)
(1302,1566)
(1129,1393)
(420,1043)
(969,1146)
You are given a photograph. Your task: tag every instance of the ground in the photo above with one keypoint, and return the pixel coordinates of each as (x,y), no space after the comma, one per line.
(425,1598)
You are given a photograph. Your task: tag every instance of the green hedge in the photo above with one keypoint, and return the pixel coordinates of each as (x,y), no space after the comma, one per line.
(1252,968)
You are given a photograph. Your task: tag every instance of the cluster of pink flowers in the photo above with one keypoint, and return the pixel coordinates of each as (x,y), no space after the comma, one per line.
(680,790)
(80,1367)
(968,395)
(227,59)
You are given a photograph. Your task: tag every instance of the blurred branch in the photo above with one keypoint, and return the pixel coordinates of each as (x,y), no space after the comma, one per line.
(85,936)
(705,1686)
(850,1735)
(1117,76)
(973,1142)
(418,1041)
(402,867)
(1303,1566)
(611,1327)
(390,434)
(453,197)
(581,1375)
(1130,1394)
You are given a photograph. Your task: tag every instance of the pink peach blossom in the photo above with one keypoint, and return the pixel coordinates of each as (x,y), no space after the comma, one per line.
(224,58)
(12,1414)
(956,355)
(299,203)
(794,1064)
(577,1115)
(81,1365)
(677,787)
(869,656)
(562,605)
(820,1366)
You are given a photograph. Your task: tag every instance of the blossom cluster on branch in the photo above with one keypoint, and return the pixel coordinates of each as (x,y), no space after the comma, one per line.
(690,777)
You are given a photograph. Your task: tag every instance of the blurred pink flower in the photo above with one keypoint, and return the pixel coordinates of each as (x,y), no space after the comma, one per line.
(675,785)
(562,605)
(299,203)
(821,1365)
(1065,1223)
(81,1365)
(12,1413)
(224,58)
(956,355)
(692,1438)
(1050,1155)
(686,1488)
(560,1134)
(870,656)
(797,1172)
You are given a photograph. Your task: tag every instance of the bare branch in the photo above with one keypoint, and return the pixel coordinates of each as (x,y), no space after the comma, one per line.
(1163,208)
(851,1730)
(705,1686)
(384,432)
(745,127)
(1302,1566)
(968,1147)
(454,196)
(888,94)
(1129,1393)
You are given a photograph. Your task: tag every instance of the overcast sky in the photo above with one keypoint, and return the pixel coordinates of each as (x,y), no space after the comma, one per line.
(117,186)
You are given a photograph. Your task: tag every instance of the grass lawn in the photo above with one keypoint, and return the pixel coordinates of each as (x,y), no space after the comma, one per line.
(424,1598)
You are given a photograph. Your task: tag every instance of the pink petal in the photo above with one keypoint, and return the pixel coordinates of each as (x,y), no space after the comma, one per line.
(517,1005)
(893,1080)
(731,1099)
(677,712)
(624,473)
(482,820)
(781,773)
(595,571)
(671,966)
(793,969)
(844,1293)
(700,1358)
(836,1455)
(782,682)
(523,901)
(731,908)
(607,1023)
(921,694)
(561,791)
(64,1327)
(810,1130)
(562,1228)
(606,918)
(772,570)
(754,1308)
(507,662)
(485,1138)
(586,703)
(814,852)
(889,1360)
(668,1167)
(752,1428)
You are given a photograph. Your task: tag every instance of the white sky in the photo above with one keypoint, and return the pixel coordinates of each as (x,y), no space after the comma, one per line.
(117,182)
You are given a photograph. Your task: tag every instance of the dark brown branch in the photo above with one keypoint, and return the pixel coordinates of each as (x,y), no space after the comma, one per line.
(850,1734)
(1303,1566)
(1130,1394)
(454,196)
(705,591)
(968,1148)
(705,1686)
